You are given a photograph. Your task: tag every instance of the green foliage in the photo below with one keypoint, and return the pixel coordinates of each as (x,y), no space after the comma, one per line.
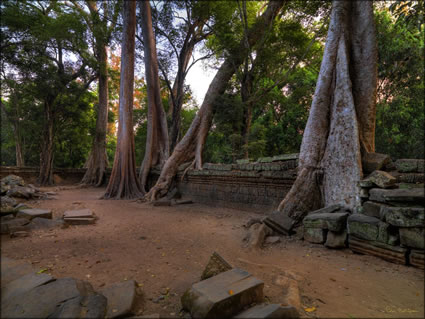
(400,108)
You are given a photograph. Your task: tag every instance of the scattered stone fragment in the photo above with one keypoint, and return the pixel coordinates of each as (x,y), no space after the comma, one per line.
(382,179)
(7,205)
(21,206)
(34,212)
(414,195)
(270,240)
(404,216)
(374,161)
(336,240)
(42,301)
(332,221)
(327,209)
(412,237)
(257,235)
(362,226)
(315,235)
(13,180)
(24,284)
(393,254)
(268,311)
(43,223)
(12,271)
(417,258)
(20,233)
(224,295)
(280,222)
(91,306)
(16,222)
(121,298)
(215,266)
(21,192)
(79,213)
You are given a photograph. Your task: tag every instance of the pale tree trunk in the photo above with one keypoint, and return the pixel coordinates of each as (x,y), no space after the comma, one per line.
(45,177)
(18,147)
(157,146)
(246,93)
(192,144)
(123,183)
(342,115)
(98,159)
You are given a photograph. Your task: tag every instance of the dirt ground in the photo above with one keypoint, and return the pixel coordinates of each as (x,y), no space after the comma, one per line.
(168,247)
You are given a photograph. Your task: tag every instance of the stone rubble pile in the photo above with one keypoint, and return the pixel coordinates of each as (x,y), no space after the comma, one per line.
(390,221)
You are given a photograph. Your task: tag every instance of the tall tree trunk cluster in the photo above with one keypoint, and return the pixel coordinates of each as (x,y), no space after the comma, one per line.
(192,144)
(341,123)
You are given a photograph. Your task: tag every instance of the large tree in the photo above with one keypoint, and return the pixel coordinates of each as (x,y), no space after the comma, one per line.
(341,125)
(157,145)
(192,144)
(123,183)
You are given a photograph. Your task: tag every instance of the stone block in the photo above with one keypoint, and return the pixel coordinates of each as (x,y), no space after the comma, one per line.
(91,306)
(332,221)
(80,221)
(80,213)
(411,196)
(11,271)
(383,232)
(43,223)
(121,298)
(417,258)
(265,160)
(407,165)
(412,237)
(24,284)
(374,209)
(224,295)
(336,240)
(315,235)
(365,184)
(16,222)
(393,254)
(404,216)
(280,222)
(327,209)
(285,157)
(363,227)
(268,311)
(215,266)
(381,179)
(374,161)
(34,212)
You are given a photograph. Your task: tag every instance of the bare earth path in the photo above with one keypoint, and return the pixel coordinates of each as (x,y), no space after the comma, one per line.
(168,247)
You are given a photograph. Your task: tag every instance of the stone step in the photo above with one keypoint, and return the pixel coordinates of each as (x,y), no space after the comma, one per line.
(224,295)
(121,299)
(393,254)
(268,311)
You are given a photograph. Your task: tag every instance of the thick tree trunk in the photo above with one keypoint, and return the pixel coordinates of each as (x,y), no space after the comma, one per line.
(341,116)
(45,177)
(246,92)
(157,147)
(193,142)
(123,183)
(98,159)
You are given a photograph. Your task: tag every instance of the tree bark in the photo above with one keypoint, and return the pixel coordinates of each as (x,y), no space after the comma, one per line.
(98,158)
(246,93)
(192,144)
(342,114)
(157,145)
(45,177)
(123,183)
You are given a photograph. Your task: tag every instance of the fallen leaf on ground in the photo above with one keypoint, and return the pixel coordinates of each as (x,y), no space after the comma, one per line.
(41,271)
(311,309)
(230,292)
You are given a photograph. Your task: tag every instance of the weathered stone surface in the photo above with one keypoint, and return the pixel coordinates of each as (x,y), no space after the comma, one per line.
(79,213)
(417,258)
(21,206)
(24,284)
(404,216)
(34,212)
(315,235)
(43,223)
(91,306)
(407,165)
(383,232)
(242,161)
(16,222)
(224,295)
(280,222)
(268,311)
(362,226)
(393,254)
(270,240)
(265,160)
(327,209)
(13,180)
(374,161)
(257,235)
(382,179)
(6,200)
(42,301)
(80,221)
(19,233)
(285,157)
(365,184)
(21,192)
(336,240)
(332,221)
(412,237)
(121,298)
(215,266)
(12,270)
(414,195)
(374,209)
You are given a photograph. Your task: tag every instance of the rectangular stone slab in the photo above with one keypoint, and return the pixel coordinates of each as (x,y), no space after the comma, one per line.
(34,212)
(224,295)
(268,311)
(393,254)
(80,213)
(80,221)
(332,221)
(24,284)
(413,195)
(404,216)
(362,226)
